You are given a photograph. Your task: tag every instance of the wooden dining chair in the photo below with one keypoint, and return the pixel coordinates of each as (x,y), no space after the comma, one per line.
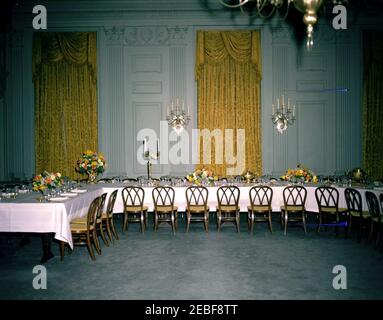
(99,229)
(134,209)
(293,209)
(376,217)
(85,234)
(327,199)
(355,212)
(99,222)
(259,209)
(197,209)
(164,208)
(228,206)
(107,217)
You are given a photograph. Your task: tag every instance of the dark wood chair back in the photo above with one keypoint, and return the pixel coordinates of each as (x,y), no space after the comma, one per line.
(261,196)
(373,206)
(294,196)
(327,197)
(133,196)
(101,205)
(92,213)
(197,196)
(163,197)
(353,200)
(111,202)
(228,196)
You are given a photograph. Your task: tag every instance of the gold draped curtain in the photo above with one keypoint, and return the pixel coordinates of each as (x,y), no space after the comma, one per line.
(228,74)
(373,104)
(64,75)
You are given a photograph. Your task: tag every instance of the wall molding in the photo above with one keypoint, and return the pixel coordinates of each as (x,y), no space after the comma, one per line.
(157,35)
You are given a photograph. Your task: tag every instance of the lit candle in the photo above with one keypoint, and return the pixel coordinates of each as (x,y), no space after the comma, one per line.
(172,105)
(293,110)
(167,109)
(288,104)
(183,106)
(278,104)
(283,100)
(273,109)
(145,146)
(188,110)
(158,145)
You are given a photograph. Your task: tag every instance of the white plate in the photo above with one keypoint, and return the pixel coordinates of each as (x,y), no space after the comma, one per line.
(68,194)
(58,199)
(378,188)
(79,190)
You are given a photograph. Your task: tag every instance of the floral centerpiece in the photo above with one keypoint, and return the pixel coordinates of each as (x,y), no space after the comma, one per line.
(47,180)
(300,174)
(202,176)
(91,163)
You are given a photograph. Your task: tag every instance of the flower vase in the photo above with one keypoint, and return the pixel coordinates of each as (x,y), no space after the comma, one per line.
(41,197)
(92,177)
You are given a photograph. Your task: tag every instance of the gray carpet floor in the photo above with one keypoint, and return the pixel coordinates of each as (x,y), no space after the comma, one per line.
(198,265)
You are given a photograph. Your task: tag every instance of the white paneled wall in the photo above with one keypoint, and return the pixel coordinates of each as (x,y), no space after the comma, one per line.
(145,62)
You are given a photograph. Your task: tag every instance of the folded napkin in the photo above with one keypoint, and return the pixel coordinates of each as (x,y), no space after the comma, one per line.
(79,190)
(58,199)
(69,194)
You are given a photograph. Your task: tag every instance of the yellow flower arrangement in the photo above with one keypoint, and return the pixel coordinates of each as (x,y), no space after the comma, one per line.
(46,180)
(300,173)
(202,176)
(91,162)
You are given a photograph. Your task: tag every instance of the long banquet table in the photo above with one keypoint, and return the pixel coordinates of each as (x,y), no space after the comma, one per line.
(26,214)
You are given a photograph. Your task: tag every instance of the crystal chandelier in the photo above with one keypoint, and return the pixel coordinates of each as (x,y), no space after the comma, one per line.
(283,116)
(177,116)
(266,8)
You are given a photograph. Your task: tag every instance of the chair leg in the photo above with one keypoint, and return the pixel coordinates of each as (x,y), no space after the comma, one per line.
(95,241)
(206,223)
(304,222)
(348,230)
(155,221)
(319,222)
(218,222)
(108,231)
(142,223)
(360,230)
(113,228)
(103,235)
(270,223)
(173,224)
(237,221)
(285,222)
(337,225)
(125,224)
(187,222)
(89,246)
(282,219)
(371,232)
(252,222)
(62,250)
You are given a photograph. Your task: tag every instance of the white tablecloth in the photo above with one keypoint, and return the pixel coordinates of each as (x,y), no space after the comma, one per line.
(26,214)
